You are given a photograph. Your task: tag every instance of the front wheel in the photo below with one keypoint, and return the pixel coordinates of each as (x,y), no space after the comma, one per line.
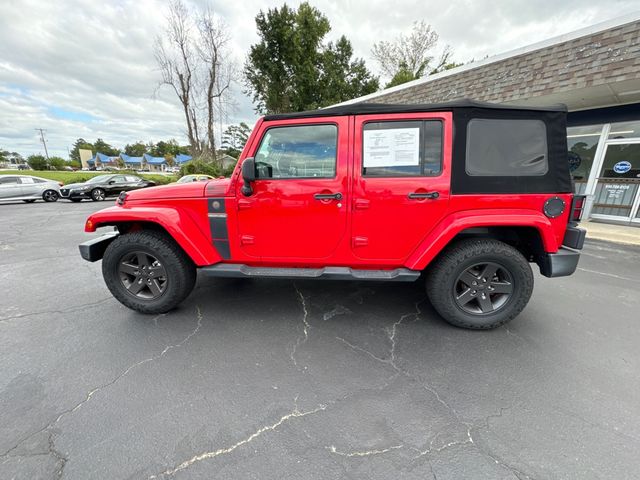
(98,195)
(50,196)
(479,283)
(148,272)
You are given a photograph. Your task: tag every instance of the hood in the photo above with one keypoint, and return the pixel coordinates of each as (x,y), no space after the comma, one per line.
(71,186)
(176,190)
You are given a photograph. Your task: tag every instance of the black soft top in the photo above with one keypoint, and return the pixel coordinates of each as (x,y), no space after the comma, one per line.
(367,108)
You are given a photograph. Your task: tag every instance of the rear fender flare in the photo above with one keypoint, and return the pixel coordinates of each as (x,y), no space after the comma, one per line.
(455,223)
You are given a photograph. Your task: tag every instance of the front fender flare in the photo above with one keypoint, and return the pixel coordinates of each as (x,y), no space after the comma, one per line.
(455,223)
(177,222)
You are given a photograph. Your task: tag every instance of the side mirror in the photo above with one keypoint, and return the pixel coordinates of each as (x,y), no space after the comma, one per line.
(111,182)
(248,175)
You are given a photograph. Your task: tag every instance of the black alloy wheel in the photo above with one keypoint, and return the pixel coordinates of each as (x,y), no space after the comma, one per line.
(142,275)
(483,288)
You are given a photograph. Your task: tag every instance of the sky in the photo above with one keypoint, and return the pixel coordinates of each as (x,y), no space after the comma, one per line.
(79,68)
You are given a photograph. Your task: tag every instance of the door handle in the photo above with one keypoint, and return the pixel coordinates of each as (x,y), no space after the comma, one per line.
(328,196)
(419,195)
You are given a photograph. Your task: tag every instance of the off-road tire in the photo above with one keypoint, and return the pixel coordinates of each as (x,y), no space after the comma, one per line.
(180,270)
(98,195)
(443,275)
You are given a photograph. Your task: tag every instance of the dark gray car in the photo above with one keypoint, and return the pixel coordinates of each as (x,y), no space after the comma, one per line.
(28,188)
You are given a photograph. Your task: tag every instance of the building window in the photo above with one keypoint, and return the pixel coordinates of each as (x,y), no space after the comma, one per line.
(506,148)
(402,149)
(624,130)
(582,143)
(304,151)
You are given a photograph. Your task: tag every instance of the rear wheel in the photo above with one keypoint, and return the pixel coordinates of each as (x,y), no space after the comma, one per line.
(479,283)
(98,195)
(146,271)
(50,196)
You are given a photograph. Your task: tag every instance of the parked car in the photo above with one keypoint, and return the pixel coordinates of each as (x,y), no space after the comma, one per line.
(28,188)
(195,178)
(365,192)
(100,187)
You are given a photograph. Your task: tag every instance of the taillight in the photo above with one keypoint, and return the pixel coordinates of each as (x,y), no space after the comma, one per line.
(577,206)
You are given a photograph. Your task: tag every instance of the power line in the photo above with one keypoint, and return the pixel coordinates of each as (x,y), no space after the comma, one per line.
(44,144)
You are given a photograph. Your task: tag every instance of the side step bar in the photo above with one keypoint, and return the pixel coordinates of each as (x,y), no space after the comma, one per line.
(325,273)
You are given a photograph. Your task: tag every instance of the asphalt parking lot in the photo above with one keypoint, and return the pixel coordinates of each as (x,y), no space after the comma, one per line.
(307,380)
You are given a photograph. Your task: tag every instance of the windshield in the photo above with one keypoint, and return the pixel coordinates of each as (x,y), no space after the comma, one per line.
(98,179)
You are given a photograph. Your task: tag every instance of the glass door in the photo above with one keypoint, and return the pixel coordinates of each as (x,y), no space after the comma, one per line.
(618,184)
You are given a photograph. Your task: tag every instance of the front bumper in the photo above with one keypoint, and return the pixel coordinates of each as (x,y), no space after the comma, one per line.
(93,250)
(69,194)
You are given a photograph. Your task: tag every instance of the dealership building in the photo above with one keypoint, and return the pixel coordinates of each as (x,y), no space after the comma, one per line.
(596,73)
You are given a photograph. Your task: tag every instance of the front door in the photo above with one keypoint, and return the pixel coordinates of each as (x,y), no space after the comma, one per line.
(298,206)
(401,182)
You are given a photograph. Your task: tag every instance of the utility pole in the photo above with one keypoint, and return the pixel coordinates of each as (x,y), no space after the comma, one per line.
(44,144)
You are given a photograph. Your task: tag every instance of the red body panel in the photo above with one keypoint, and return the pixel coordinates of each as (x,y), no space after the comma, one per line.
(374,225)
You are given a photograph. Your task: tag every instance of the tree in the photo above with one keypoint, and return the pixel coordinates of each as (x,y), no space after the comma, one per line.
(80,143)
(37,162)
(234,138)
(193,61)
(171,147)
(290,69)
(411,57)
(57,163)
(135,149)
(103,147)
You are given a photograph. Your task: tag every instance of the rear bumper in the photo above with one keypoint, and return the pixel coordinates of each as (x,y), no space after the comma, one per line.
(93,250)
(560,264)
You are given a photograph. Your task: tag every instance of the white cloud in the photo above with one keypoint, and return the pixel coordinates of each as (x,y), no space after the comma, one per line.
(86,69)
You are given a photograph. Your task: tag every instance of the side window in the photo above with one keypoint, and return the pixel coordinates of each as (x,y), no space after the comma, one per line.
(8,180)
(512,147)
(26,180)
(402,149)
(118,179)
(130,178)
(304,151)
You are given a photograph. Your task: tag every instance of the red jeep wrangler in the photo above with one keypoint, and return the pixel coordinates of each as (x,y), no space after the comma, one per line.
(466,192)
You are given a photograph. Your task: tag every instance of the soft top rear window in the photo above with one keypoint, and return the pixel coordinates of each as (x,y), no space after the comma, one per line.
(506,148)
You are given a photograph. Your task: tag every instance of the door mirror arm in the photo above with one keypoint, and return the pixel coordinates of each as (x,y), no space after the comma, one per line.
(248,175)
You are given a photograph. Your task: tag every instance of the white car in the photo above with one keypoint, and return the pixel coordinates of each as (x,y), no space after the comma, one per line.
(28,188)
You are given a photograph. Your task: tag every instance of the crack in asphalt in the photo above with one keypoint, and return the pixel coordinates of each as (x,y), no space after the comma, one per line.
(295,413)
(365,453)
(391,334)
(99,388)
(60,312)
(305,328)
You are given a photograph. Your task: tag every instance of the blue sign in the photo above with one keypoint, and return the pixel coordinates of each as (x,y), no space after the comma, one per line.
(622,167)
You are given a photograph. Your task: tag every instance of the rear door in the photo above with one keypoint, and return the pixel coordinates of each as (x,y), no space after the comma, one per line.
(298,206)
(29,187)
(9,187)
(401,182)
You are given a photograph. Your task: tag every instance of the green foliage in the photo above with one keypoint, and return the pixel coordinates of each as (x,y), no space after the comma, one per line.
(75,177)
(205,167)
(37,162)
(135,149)
(403,75)
(290,69)
(234,139)
(57,163)
(162,149)
(103,147)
